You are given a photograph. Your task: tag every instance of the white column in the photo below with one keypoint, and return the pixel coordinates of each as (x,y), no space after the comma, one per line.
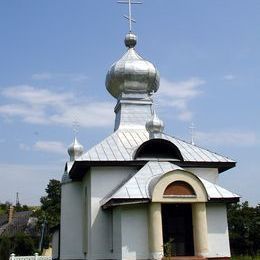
(155,231)
(200,230)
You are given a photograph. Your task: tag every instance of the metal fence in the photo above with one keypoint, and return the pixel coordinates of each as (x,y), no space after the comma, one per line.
(34,257)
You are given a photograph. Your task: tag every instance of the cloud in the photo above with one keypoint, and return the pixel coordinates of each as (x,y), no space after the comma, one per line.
(73,77)
(43,106)
(50,147)
(229,77)
(178,94)
(228,138)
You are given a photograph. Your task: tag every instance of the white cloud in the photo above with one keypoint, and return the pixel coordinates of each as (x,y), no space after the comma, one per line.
(228,138)
(43,106)
(179,94)
(74,77)
(50,147)
(229,77)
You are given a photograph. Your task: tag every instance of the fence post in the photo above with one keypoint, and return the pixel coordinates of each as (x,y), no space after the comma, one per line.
(12,256)
(36,256)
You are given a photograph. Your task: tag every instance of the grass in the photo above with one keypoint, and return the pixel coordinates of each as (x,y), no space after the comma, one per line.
(245,257)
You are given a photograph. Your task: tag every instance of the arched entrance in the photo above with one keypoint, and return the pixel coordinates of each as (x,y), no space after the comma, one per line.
(178,215)
(177,229)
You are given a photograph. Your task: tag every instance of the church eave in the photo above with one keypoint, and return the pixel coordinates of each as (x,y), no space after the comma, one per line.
(79,168)
(226,200)
(121,202)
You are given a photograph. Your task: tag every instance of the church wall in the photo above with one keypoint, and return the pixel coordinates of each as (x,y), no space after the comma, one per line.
(55,244)
(103,180)
(71,224)
(218,238)
(210,174)
(117,233)
(135,232)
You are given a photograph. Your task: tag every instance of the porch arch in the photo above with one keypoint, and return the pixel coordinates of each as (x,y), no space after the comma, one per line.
(196,195)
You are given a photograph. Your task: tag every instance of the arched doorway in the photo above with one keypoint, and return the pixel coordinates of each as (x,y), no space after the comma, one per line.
(177,229)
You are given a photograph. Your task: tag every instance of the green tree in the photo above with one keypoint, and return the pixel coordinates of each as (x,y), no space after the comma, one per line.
(49,213)
(23,244)
(244,229)
(50,204)
(5,248)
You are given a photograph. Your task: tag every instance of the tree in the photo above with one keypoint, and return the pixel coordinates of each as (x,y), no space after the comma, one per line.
(23,244)
(244,229)
(5,248)
(50,204)
(49,213)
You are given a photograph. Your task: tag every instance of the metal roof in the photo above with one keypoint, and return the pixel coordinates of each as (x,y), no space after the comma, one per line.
(137,186)
(122,144)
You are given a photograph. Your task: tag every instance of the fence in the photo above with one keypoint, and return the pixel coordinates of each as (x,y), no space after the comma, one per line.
(34,257)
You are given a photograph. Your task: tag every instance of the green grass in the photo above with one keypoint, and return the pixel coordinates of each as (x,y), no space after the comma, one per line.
(245,258)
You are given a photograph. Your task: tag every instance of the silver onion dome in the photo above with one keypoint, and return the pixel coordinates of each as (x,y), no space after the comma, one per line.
(132,74)
(75,150)
(154,126)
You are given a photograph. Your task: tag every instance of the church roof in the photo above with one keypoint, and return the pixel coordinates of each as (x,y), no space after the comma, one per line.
(121,146)
(137,186)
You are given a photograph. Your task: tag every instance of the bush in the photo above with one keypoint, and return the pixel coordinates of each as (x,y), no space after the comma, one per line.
(23,245)
(5,248)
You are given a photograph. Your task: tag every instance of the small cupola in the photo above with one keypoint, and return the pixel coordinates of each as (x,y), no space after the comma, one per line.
(75,150)
(154,126)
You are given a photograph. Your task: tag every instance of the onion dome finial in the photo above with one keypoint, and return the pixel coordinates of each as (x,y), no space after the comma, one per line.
(154,126)
(75,150)
(130,40)
(132,74)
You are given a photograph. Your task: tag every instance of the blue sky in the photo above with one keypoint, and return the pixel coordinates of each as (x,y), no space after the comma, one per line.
(54,56)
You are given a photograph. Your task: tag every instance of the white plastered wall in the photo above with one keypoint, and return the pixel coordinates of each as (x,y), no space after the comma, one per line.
(134,225)
(55,244)
(210,174)
(102,181)
(71,221)
(218,238)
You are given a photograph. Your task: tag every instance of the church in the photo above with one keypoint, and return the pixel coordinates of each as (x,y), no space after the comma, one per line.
(141,193)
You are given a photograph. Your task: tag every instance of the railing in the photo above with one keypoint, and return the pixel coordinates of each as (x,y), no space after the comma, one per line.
(34,257)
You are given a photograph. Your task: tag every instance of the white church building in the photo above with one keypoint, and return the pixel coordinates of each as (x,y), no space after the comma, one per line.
(140,193)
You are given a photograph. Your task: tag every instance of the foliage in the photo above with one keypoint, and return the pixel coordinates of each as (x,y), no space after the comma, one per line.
(5,248)
(23,244)
(50,204)
(4,207)
(244,229)
(168,248)
(19,208)
(49,213)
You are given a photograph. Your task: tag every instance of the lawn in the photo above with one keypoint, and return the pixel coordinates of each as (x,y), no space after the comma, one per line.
(245,258)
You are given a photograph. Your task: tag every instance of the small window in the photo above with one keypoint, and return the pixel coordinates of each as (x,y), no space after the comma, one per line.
(158,148)
(179,188)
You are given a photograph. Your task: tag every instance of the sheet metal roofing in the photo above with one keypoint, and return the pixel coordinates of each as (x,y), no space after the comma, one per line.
(122,144)
(137,186)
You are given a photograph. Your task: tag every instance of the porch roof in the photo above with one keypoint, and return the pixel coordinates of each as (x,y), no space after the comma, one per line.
(136,188)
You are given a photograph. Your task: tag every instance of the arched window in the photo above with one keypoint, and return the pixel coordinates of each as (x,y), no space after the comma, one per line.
(179,188)
(158,148)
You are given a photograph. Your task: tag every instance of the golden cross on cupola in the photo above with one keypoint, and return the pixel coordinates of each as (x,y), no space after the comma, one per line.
(129,17)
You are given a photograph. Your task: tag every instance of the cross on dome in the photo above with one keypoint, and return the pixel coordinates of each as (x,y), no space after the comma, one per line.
(129,17)
(75,127)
